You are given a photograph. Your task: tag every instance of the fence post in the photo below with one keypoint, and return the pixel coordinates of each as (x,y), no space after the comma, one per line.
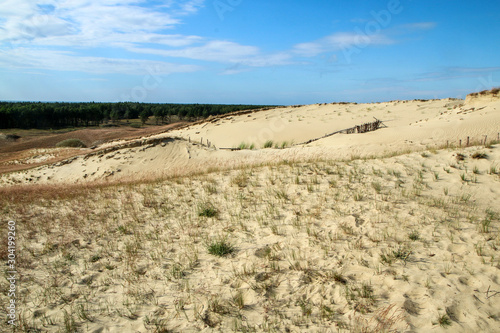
(460,143)
(467,141)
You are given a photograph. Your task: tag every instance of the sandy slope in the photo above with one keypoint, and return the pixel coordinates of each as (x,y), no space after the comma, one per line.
(36,147)
(399,244)
(411,125)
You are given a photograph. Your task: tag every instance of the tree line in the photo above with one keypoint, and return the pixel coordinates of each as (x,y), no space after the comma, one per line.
(43,115)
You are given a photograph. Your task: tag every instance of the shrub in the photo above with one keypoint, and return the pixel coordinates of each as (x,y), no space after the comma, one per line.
(12,137)
(73,143)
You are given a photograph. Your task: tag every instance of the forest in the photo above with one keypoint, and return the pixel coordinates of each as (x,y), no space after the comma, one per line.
(45,115)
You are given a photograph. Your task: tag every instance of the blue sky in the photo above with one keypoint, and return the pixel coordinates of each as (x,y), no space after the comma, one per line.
(247,51)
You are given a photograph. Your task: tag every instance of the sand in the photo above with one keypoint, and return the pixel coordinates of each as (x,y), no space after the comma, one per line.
(391,230)
(411,126)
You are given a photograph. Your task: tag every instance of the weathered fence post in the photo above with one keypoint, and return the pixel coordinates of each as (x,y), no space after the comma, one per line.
(467,141)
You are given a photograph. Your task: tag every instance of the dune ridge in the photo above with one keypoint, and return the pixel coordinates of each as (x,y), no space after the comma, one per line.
(411,126)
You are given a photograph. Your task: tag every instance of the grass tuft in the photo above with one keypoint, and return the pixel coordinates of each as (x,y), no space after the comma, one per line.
(220,248)
(414,235)
(268,144)
(444,321)
(207,209)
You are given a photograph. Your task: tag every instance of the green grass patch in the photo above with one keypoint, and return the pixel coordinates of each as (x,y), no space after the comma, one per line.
(220,248)
(268,144)
(207,209)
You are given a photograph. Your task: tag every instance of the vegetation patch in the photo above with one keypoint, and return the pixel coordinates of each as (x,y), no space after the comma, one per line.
(71,143)
(207,209)
(220,248)
(479,155)
(268,144)
(215,250)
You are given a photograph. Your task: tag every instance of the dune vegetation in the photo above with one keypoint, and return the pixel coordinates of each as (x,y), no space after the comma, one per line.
(367,245)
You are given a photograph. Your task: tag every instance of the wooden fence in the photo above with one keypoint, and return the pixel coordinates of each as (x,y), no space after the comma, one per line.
(364,128)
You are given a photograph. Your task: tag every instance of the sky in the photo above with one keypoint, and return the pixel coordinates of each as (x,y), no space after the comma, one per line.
(247,51)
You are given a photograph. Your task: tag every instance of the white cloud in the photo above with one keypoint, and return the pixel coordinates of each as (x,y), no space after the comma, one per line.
(218,51)
(309,49)
(80,21)
(27,58)
(420,26)
(191,6)
(16,8)
(139,26)
(129,25)
(91,22)
(265,60)
(119,40)
(225,52)
(452,73)
(33,31)
(340,41)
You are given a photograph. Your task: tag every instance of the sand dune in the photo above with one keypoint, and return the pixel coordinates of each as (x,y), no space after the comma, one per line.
(411,125)
(395,230)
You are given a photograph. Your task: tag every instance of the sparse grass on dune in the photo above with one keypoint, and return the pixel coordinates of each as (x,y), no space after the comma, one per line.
(360,245)
(333,236)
